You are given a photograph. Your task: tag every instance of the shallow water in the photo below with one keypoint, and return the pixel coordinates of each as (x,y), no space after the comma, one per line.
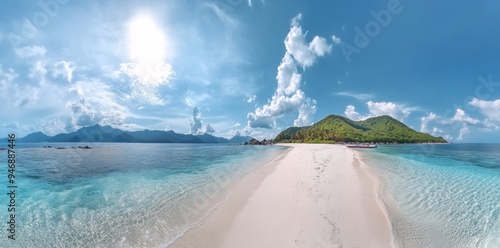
(121,195)
(441,195)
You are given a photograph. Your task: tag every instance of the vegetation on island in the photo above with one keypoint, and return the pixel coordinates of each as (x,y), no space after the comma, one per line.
(335,129)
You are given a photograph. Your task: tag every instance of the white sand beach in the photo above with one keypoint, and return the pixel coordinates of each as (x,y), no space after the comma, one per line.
(316,196)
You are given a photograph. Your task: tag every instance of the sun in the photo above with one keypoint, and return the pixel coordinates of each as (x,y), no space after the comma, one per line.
(146,40)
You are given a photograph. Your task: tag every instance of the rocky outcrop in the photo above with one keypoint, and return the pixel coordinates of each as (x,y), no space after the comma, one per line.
(256,142)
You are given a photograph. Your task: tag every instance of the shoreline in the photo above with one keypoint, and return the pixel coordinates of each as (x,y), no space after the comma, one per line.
(312,195)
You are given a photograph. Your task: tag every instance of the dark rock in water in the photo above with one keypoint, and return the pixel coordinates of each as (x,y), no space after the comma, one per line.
(60,147)
(1,149)
(84,147)
(256,142)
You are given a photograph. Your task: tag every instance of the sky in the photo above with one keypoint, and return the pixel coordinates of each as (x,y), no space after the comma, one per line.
(249,67)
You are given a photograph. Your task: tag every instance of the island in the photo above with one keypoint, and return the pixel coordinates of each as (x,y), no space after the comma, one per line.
(338,129)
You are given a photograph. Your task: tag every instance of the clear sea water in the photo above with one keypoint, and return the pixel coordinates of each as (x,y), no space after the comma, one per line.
(441,195)
(120,195)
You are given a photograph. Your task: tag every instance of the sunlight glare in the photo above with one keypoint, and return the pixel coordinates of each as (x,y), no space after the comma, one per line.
(146,40)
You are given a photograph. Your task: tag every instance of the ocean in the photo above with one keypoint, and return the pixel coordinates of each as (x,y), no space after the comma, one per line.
(119,194)
(442,195)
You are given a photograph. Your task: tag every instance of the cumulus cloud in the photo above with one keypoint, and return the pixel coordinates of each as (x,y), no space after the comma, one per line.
(195,121)
(306,113)
(38,71)
(196,125)
(209,128)
(424,121)
(146,80)
(288,97)
(350,112)
(490,109)
(460,116)
(304,53)
(97,104)
(459,120)
(64,69)
(52,127)
(30,51)
(396,111)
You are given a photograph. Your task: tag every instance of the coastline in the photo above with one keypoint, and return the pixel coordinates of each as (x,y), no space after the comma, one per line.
(315,195)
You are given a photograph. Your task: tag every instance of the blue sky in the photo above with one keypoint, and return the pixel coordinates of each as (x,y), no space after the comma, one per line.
(256,67)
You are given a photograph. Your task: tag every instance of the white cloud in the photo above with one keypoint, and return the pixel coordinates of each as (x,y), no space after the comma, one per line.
(437,131)
(464,130)
(147,79)
(336,39)
(259,133)
(305,54)
(6,79)
(251,99)
(97,104)
(296,20)
(490,109)
(460,116)
(459,119)
(208,129)
(424,121)
(306,113)
(222,15)
(288,97)
(361,97)
(394,110)
(196,125)
(10,125)
(38,71)
(350,112)
(64,69)
(195,122)
(236,125)
(52,127)
(192,99)
(30,51)
(319,46)
(288,77)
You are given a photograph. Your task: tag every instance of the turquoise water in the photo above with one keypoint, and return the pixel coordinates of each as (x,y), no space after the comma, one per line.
(120,195)
(441,195)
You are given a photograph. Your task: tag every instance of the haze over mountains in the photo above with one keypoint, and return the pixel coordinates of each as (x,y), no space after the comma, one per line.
(99,133)
(331,129)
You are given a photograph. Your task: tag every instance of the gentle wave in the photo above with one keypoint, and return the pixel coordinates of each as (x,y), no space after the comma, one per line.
(441,195)
(124,195)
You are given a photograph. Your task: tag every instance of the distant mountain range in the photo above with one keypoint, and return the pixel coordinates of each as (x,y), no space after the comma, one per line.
(334,128)
(99,133)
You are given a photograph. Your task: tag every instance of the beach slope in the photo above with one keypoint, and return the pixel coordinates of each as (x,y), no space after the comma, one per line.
(316,195)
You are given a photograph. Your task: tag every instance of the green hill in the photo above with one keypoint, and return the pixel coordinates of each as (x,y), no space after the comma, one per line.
(333,129)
